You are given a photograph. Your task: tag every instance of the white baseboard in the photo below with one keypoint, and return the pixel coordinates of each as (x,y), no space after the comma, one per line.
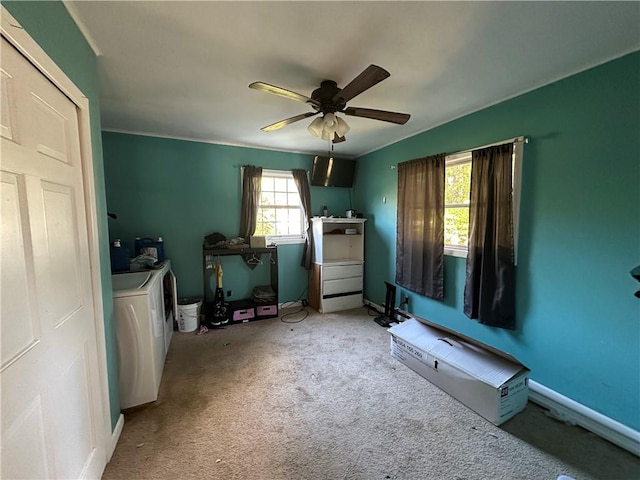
(380,308)
(374,305)
(115,436)
(297,303)
(570,411)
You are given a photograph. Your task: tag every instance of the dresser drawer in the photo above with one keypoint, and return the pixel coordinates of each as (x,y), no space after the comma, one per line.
(341,285)
(342,271)
(335,304)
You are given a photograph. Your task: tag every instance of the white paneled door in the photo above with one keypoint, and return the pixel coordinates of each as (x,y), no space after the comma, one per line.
(51,410)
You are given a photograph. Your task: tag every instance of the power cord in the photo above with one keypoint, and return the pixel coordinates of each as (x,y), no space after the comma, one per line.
(370,309)
(302,309)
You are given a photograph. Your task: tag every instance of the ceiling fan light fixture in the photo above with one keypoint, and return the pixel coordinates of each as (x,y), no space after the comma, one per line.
(342,128)
(330,120)
(316,127)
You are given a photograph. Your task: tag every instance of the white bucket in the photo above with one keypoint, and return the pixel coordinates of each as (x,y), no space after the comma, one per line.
(188,316)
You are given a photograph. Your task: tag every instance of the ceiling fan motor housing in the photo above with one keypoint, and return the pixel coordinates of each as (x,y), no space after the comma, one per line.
(328,89)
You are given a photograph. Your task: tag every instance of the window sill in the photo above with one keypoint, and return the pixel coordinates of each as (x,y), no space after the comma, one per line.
(460,252)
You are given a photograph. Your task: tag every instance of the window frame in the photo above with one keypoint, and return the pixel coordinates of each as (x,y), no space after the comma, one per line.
(290,238)
(516,180)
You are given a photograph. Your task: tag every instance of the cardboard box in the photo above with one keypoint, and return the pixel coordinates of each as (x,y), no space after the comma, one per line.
(258,241)
(490,382)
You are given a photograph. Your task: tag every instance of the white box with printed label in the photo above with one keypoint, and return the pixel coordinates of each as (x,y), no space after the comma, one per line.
(490,382)
(259,241)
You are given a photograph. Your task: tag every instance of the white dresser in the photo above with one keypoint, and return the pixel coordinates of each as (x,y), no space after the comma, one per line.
(336,278)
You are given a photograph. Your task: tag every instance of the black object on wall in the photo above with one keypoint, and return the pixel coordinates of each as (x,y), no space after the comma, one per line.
(332,172)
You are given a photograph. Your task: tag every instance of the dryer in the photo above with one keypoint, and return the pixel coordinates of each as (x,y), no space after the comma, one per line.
(142,333)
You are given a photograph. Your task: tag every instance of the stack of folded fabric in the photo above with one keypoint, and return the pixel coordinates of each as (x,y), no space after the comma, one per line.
(263,294)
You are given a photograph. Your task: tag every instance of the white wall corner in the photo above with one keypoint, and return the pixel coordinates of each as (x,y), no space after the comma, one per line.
(574,413)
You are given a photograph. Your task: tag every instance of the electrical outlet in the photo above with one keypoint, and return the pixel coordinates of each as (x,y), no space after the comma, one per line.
(228,293)
(305,302)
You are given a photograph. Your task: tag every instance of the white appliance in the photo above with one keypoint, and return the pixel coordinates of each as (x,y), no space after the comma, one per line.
(144,325)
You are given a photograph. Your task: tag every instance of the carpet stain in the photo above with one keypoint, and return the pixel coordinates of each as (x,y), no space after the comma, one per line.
(306,396)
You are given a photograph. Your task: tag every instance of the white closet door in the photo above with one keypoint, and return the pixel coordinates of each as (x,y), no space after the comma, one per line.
(51,402)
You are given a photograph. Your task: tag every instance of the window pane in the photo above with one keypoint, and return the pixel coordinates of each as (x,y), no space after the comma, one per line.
(293,198)
(456,226)
(457,183)
(295,221)
(267,215)
(280,198)
(268,229)
(280,184)
(267,198)
(267,183)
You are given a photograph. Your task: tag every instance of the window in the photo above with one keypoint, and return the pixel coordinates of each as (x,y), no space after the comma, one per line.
(457,189)
(280,214)
(457,186)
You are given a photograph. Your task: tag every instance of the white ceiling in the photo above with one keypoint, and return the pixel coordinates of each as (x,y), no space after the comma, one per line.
(182,69)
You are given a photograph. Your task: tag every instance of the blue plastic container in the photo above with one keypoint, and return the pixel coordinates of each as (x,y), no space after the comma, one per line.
(120,260)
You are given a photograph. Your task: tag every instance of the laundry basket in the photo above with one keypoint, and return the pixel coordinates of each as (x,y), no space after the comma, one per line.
(188,313)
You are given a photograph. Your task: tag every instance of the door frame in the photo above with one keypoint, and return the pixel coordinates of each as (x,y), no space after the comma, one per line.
(15,34)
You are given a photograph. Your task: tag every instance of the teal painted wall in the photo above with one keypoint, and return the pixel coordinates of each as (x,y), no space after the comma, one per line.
(578,327)
(49,24)
(578,321)
(183,190)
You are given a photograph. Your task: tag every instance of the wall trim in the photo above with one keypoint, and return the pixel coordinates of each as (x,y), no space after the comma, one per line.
(115,436)
(294,303)
(570,411)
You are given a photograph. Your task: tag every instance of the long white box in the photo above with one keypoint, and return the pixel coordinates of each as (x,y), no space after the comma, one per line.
(490,382)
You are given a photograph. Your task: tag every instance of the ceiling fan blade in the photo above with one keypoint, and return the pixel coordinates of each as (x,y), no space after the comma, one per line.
(287,121)
(393,117)
(371,75)
(337,138)
(265,87)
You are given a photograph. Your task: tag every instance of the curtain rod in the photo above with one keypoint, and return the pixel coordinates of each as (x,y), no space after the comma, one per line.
(509,140)
(521,138)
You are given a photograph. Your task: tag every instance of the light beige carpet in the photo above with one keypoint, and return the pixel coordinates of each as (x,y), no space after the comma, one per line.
(323,399)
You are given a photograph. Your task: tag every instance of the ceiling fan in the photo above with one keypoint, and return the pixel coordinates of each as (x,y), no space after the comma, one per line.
(329,99)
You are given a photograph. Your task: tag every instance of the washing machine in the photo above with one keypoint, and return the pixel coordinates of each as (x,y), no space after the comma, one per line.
(143,333)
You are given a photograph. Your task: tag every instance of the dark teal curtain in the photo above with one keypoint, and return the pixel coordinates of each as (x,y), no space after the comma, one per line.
(251,187)
(489,292)
(420,226)
(302,182)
